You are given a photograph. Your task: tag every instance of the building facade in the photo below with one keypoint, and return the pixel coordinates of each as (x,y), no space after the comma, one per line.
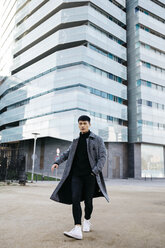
(146,87)
(61,59)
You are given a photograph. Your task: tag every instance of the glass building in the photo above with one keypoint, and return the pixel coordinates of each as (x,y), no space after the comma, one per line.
(61,59)
(146,87)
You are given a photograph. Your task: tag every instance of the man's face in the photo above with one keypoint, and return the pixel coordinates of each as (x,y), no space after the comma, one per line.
(84,126)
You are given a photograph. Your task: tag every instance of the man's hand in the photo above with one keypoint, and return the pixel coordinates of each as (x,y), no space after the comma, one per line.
(54,166)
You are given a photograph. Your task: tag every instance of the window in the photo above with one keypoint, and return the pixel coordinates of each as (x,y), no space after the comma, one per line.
(110,56)
(146,29)
(147,46)
(137,26)
(149,123)
(154,86)
(152,161)
(110,97)
(148,84)
(97,92)
(119,60)
(108,35)
(148,65)
(140,122)
(120,122)
(120,100)
(119,80)
(145,12)
(110,76)
(110,118)
(104,94)
(136,9)
(137,44)
(159,106)
(138,82)
(115,98)
(153,49)
(149,103)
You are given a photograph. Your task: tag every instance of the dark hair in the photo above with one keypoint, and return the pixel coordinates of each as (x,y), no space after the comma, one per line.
(84,118)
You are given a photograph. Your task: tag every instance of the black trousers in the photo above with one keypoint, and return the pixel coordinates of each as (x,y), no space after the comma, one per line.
(82,184)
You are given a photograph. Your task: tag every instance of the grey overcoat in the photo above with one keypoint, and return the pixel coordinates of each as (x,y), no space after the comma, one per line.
(97,157)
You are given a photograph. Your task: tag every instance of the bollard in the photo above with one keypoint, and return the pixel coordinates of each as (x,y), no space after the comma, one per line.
(22,178)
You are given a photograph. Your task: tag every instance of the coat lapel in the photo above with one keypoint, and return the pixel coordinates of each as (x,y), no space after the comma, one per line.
(74,146)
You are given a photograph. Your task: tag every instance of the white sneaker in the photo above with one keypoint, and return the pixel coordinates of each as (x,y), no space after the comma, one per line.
(86,225)
(75,233)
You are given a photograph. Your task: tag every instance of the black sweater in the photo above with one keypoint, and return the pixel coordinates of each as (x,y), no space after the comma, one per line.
(81,165)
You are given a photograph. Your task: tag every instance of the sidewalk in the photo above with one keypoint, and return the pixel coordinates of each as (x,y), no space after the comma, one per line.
(134,218)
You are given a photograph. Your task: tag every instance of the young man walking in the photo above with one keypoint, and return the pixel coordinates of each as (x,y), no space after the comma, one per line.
(82,179)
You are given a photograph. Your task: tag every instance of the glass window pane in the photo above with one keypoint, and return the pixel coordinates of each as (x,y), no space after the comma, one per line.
(152,161)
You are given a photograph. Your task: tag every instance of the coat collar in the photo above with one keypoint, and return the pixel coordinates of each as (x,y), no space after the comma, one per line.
(91,135)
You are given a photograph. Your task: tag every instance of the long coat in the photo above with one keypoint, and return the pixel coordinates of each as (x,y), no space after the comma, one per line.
(97,156)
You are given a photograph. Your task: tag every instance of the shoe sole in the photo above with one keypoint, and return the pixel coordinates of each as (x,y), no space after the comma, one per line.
(86,230)
(72,236)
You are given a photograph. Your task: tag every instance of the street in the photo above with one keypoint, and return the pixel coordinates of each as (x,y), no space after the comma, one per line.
(134,218)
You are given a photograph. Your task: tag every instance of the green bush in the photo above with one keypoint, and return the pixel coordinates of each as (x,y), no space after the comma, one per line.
(40,177)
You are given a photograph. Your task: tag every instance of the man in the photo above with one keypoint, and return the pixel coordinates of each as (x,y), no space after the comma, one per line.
(82,178)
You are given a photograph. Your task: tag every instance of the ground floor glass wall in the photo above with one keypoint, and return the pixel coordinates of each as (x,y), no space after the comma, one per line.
(152,161)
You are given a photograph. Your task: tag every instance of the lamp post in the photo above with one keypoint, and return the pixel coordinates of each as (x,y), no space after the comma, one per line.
(34,150)
(57,156)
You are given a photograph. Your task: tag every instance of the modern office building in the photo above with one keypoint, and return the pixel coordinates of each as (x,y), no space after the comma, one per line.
(60,59)
(146,87)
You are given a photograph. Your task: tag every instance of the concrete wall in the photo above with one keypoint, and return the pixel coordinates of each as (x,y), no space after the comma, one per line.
(117,163)
(131,73)
(134,160)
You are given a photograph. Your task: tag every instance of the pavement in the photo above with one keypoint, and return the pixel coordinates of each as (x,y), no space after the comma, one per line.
(134,218)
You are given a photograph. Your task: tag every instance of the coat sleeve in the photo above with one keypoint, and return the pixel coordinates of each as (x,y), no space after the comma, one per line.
(101,157)
(64,156)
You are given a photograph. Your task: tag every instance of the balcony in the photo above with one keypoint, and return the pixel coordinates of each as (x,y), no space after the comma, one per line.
(150,22)
(151,57)
(151,39)
(152,7)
